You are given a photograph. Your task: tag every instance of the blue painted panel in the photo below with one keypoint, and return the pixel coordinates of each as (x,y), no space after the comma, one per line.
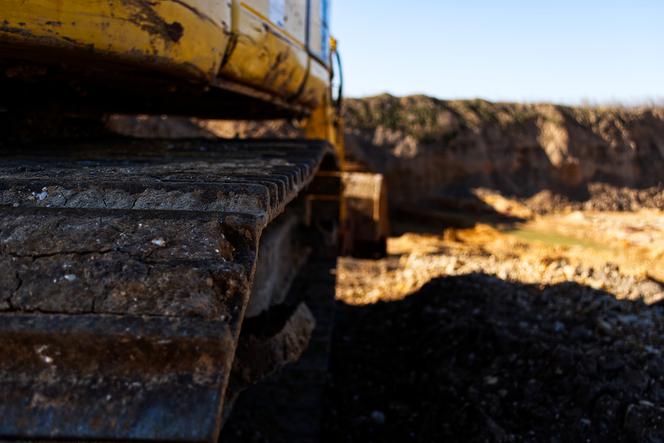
(325,20)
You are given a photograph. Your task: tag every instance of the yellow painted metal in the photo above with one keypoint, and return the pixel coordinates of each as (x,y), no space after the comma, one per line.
(325,123)
(265,54)
(260,44)
(252,43)
(190,36)
(317,85)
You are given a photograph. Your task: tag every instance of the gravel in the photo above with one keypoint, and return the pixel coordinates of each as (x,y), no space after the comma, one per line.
(363,281)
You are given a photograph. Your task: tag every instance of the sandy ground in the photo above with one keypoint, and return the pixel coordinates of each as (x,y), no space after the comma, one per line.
(622,253)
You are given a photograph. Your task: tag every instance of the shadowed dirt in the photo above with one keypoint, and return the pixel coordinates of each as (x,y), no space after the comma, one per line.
(476,358)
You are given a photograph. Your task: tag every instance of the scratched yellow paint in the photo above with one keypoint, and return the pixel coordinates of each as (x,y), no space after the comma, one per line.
(265,56)
(191,35)
(244,41)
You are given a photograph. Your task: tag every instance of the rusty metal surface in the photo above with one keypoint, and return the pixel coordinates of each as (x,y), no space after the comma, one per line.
(259,355)
(283,251)
(127,268)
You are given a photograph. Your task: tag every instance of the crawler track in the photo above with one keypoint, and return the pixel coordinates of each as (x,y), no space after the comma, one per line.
(127,268)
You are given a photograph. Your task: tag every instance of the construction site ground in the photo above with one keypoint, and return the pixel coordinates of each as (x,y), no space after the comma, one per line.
(492,319)
(515,327)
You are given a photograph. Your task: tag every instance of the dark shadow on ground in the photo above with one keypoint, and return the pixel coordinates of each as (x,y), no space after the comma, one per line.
(461,210)
(478,359)
(288,405)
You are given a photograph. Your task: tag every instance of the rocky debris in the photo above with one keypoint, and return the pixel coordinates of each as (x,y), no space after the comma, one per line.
(363,282)
(476,358)
(478,334)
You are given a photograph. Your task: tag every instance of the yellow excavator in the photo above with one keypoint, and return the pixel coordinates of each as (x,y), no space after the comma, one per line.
(131,267)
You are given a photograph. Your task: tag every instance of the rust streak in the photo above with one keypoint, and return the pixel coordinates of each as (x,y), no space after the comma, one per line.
(150,21)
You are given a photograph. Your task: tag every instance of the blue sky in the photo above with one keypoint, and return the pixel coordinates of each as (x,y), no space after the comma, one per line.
(598,51)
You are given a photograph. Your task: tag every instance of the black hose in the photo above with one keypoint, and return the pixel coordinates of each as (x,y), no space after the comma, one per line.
(340,97)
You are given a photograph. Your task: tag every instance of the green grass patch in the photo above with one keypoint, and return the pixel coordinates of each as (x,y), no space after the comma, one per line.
(554,239)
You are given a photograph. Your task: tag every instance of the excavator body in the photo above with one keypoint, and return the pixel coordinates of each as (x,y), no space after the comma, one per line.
(146,282)
(273,55)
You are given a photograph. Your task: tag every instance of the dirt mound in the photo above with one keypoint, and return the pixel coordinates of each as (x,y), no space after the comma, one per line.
(427,147)
(476,358)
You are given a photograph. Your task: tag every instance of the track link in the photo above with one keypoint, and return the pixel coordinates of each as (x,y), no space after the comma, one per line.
(127,268)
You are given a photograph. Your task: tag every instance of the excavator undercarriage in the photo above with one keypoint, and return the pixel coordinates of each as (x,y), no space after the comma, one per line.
(128,269)
(145,283)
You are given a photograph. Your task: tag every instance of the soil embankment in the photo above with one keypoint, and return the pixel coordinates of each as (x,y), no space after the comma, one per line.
(430,148)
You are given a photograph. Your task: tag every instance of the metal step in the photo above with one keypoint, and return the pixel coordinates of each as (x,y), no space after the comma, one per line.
(127,268)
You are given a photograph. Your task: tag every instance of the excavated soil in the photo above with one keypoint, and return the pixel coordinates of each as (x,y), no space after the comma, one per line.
(477,358)
(549,330)
(428,148)
(546,330)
